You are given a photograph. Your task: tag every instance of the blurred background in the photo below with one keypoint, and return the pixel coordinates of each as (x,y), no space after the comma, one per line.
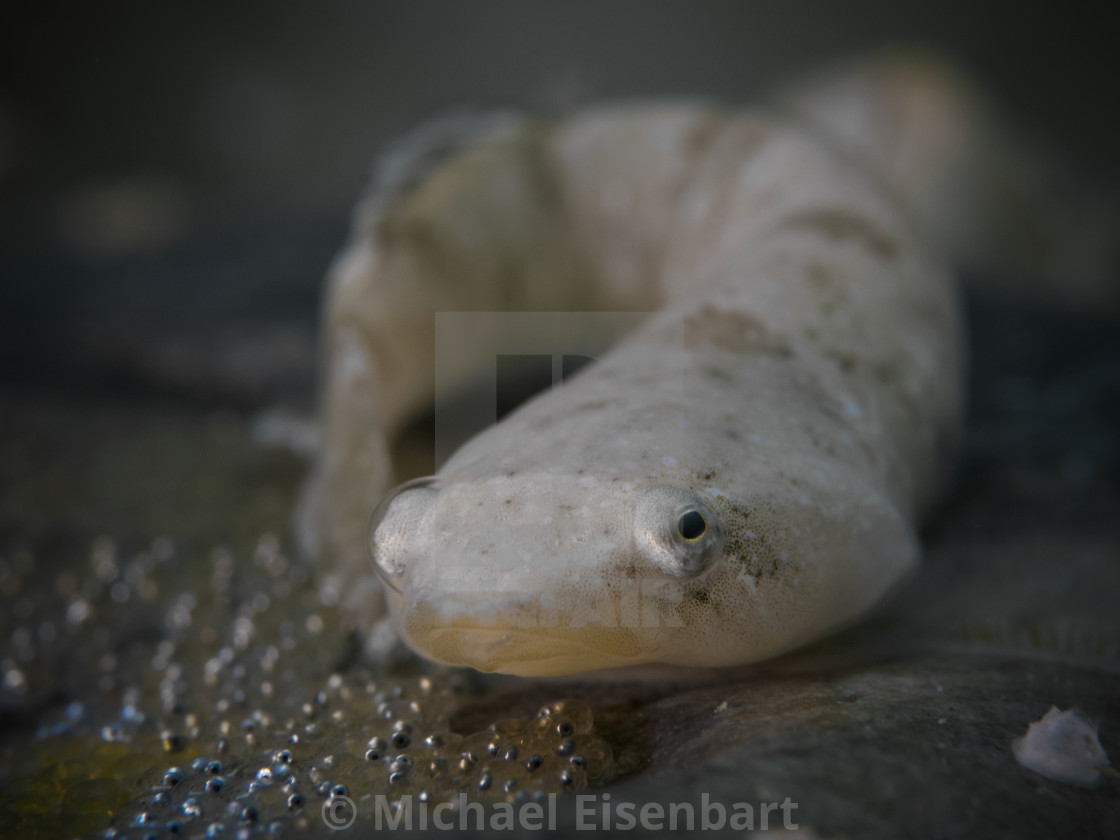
(175,179)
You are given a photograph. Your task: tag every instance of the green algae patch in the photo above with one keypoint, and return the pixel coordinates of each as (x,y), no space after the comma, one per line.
(79,785)
(224,690)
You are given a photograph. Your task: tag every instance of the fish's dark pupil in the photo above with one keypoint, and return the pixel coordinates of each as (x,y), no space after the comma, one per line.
(692,525)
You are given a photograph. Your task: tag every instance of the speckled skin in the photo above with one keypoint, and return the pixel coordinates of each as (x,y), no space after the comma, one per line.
(799,387)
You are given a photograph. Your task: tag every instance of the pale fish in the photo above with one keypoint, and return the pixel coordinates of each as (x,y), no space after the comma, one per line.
(742,472)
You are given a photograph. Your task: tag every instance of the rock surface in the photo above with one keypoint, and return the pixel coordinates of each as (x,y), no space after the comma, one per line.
(142,607)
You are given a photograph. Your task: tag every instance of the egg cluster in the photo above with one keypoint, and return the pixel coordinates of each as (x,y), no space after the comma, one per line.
(237,709)
(371,742)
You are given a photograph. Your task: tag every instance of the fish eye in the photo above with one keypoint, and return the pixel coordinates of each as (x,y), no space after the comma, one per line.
(692,525)
(676,530)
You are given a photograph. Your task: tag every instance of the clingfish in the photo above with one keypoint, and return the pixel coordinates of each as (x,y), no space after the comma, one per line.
(744,469)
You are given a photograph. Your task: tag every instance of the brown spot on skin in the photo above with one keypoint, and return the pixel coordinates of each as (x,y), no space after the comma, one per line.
(846,361)
(712,142)
(731,330)
(887,372)
(754,537)
(828,286)
(594,405)
(714,147)
(699,596)
(718,374)
(702,134)
(838,223)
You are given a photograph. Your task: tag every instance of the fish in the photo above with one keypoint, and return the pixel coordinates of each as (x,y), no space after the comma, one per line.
(744,467)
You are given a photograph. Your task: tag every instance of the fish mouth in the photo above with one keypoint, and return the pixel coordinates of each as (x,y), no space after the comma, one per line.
(499,645)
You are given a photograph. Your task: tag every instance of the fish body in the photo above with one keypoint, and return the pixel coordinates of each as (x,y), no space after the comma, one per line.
(740,473)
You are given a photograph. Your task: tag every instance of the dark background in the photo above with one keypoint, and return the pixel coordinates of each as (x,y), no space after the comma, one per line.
(174,178)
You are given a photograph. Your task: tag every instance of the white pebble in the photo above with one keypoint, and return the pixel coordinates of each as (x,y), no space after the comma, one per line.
(1063,746)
